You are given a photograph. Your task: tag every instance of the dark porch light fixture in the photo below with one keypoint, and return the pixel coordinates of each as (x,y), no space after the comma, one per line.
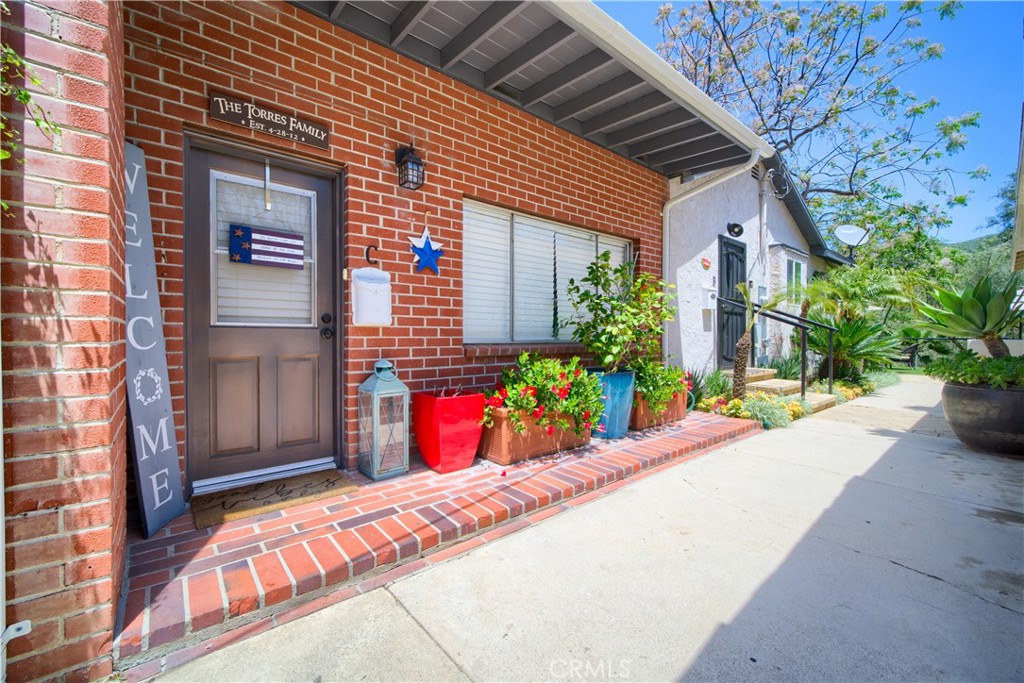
(410,168)
(735,229)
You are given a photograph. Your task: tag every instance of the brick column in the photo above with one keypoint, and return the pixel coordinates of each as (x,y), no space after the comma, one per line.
(63,352)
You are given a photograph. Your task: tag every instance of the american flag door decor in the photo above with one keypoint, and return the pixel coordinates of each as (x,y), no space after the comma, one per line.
(263,247)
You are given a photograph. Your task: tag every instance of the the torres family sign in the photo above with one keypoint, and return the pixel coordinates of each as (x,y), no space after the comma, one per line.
(153,440)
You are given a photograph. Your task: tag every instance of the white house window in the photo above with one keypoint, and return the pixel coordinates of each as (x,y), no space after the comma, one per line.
(515,271)
(794,278)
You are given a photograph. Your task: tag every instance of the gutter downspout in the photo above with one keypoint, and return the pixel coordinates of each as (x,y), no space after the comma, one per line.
(666,210)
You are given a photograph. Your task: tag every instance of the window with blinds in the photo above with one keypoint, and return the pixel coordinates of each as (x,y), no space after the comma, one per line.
(516,270)
(253,295)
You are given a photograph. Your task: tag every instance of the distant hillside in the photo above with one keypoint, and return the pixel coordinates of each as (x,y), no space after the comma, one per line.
(982,243)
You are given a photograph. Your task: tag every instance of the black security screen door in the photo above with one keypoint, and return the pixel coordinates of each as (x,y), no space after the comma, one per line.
(732,270)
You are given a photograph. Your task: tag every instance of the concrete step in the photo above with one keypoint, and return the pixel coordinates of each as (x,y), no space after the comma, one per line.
(781,387)
(754,374)
(820,402)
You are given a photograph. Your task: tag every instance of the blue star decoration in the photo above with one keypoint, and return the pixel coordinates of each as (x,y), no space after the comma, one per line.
(426,252)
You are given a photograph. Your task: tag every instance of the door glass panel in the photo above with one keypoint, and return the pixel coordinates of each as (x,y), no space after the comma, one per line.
(247,294)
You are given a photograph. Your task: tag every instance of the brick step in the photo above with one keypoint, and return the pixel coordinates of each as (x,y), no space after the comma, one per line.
(820,402)
(781,387)
(192,590)
(754,374)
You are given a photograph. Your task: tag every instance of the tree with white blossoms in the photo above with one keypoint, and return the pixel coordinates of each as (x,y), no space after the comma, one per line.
(823,83)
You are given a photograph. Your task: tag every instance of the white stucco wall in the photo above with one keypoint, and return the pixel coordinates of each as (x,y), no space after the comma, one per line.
(694,228)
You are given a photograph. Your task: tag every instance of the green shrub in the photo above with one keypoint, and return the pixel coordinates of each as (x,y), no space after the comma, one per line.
(967,367)
(769,411)
(787,367)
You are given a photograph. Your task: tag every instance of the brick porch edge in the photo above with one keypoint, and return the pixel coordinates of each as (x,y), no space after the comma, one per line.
(249,576)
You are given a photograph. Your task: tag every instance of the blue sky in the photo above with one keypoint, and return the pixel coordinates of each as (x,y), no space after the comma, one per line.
(982,70)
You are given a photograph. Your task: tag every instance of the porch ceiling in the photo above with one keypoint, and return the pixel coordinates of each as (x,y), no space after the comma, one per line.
(567,63)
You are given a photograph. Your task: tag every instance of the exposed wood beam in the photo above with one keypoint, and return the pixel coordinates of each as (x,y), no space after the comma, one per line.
(552,37)
(602,93)
(680,136)
(489,21)
(581,68)
(709,162)
(691,150)
(336,9)
(407,19)
(614,117)
(653,126)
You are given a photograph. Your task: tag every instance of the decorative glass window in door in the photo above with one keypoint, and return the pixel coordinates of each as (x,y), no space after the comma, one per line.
(280,291)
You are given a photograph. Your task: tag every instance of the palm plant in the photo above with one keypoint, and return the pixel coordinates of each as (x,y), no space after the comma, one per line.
(848,292)
(980,311)
(856,343)
(739,365)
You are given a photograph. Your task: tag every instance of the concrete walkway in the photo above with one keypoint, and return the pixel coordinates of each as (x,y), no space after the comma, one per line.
(861,544)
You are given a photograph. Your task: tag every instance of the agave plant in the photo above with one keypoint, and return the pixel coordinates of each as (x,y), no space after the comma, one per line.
(979,312)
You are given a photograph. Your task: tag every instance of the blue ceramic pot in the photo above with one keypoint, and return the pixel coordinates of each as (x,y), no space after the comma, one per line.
(617,388)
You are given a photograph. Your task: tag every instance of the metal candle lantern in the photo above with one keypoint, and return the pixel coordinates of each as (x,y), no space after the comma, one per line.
(383,423)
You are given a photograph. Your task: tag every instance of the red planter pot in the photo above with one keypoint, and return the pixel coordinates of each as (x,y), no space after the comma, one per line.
(447,429)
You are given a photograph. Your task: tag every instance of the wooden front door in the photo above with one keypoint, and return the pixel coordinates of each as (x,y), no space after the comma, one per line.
(732,270)
(261,301)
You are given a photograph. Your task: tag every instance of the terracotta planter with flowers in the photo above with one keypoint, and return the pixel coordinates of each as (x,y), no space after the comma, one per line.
(503,445)
(541,406)
(643,417)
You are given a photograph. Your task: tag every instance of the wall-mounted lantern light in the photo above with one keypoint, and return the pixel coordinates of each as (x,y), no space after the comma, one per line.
(411,172)
(735,229)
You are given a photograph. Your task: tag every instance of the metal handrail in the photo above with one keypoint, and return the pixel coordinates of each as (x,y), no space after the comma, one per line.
(802,324)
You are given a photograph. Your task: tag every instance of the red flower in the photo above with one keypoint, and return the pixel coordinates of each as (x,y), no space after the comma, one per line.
(689,385)
(586,414)
(503,392)
(538,411)
(495,401)
(563,393)
(600,429)
(586,425)
(532,391)
(563,377)
(577,373)
(551,429)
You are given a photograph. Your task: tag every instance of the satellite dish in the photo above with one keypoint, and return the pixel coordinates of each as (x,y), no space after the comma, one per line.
(850,235)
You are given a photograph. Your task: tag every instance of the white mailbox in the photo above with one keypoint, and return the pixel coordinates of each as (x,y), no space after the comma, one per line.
(708,297)
(371,297)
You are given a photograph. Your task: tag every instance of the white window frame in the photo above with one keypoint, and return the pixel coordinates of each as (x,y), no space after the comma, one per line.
(793,285)
(602,242)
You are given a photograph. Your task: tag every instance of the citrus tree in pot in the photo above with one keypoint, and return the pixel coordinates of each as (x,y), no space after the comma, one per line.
(983,398)
(619,317)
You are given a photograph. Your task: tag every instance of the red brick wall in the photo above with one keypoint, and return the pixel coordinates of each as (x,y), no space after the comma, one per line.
(63,354)
(374,101)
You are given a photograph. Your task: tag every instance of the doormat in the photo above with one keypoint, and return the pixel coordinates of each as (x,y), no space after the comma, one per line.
(255,499)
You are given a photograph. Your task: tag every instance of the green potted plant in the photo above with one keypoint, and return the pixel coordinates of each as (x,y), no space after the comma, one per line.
(983,398)
(660,394)
(619,318)
(541,406)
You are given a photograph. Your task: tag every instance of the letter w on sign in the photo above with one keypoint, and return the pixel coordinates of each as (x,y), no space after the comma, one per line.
(153,445)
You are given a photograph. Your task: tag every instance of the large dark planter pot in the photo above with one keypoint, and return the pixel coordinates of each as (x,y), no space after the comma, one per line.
(986,419)
(617,387)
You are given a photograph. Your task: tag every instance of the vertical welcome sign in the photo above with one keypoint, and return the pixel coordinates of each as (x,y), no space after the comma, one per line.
(153,442)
